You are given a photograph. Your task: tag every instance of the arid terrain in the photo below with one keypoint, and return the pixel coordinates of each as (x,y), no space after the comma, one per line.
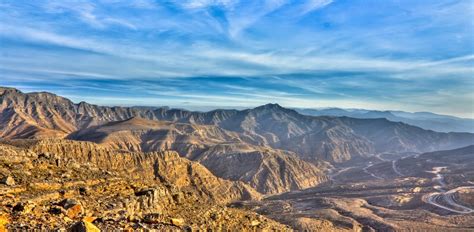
(86,167)
(423,192)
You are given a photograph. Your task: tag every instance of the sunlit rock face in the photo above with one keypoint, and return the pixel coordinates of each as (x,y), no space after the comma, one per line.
(60,182)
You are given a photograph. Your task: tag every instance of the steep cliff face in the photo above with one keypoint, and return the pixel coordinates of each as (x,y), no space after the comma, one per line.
(56,183)
(166,166)
(223,152)
(267,170)
(336,144)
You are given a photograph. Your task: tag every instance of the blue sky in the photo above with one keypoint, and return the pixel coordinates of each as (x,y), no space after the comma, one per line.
(202,54)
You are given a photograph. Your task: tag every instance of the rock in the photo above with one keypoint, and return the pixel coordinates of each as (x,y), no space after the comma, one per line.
(177,221)
(123,200)
(23,207)
(214,216)
(4,220)
(56,210)
(144,192)
(83,191)
(45,155)
(255,223)
(8,180)
(68,203)
(74,211)
(72,207)
(153,218)
(84,226)
(178,197)
(89,219)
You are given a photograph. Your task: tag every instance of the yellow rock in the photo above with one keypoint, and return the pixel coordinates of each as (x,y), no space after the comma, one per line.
(84,226)
(89,219)
(45,186)
(74,211)
(91,227)
(128,229)
(4,220)
(177,221)
(255,223)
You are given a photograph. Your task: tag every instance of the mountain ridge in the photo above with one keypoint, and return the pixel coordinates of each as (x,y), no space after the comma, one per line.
(267,125)
(216,157)
(425,120)
(284,143)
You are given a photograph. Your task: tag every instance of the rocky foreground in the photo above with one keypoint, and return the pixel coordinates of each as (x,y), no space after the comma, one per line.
(81,186)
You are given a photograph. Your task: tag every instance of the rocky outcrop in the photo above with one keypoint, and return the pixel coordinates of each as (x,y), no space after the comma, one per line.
(337,144)
(269,171)
(223,152)
(83,186)
(168,167)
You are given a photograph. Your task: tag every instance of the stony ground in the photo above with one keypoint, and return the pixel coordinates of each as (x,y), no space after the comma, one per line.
(44,190)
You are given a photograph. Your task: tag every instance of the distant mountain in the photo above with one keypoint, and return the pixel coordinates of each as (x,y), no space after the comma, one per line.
(425,120)
(459,160)
(462,155)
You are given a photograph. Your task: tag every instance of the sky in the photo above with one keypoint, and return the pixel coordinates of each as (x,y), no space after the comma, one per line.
(204,54)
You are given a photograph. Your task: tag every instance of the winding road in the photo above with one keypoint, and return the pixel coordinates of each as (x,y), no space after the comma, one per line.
(332,175)
(366,170)
(446,199)
(395,168)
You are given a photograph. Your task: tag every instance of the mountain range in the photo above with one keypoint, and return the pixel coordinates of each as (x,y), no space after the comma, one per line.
(425,120)
(271,148)
(162,168)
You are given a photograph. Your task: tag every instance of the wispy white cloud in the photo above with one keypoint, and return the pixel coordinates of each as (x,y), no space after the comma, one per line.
(87,12)
(312,5)
(196,4)
(204,60)
(241,19)
(144,4)
(305,53)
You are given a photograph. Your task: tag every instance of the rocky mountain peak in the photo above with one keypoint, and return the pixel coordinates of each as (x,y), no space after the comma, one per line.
(6,90)
(270,106)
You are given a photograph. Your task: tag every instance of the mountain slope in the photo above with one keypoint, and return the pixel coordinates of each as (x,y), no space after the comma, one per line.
(223,152)
(395,137)
(425,120)
(165,166)
(58,183)
(335,139)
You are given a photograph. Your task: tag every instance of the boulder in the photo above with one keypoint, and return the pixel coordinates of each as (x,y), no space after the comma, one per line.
(8,180)
(24,207)
(74,211)
(73,208)
(68,203)
(4,220)
(177,221)
(83,226)
(153,218)
(255,223)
